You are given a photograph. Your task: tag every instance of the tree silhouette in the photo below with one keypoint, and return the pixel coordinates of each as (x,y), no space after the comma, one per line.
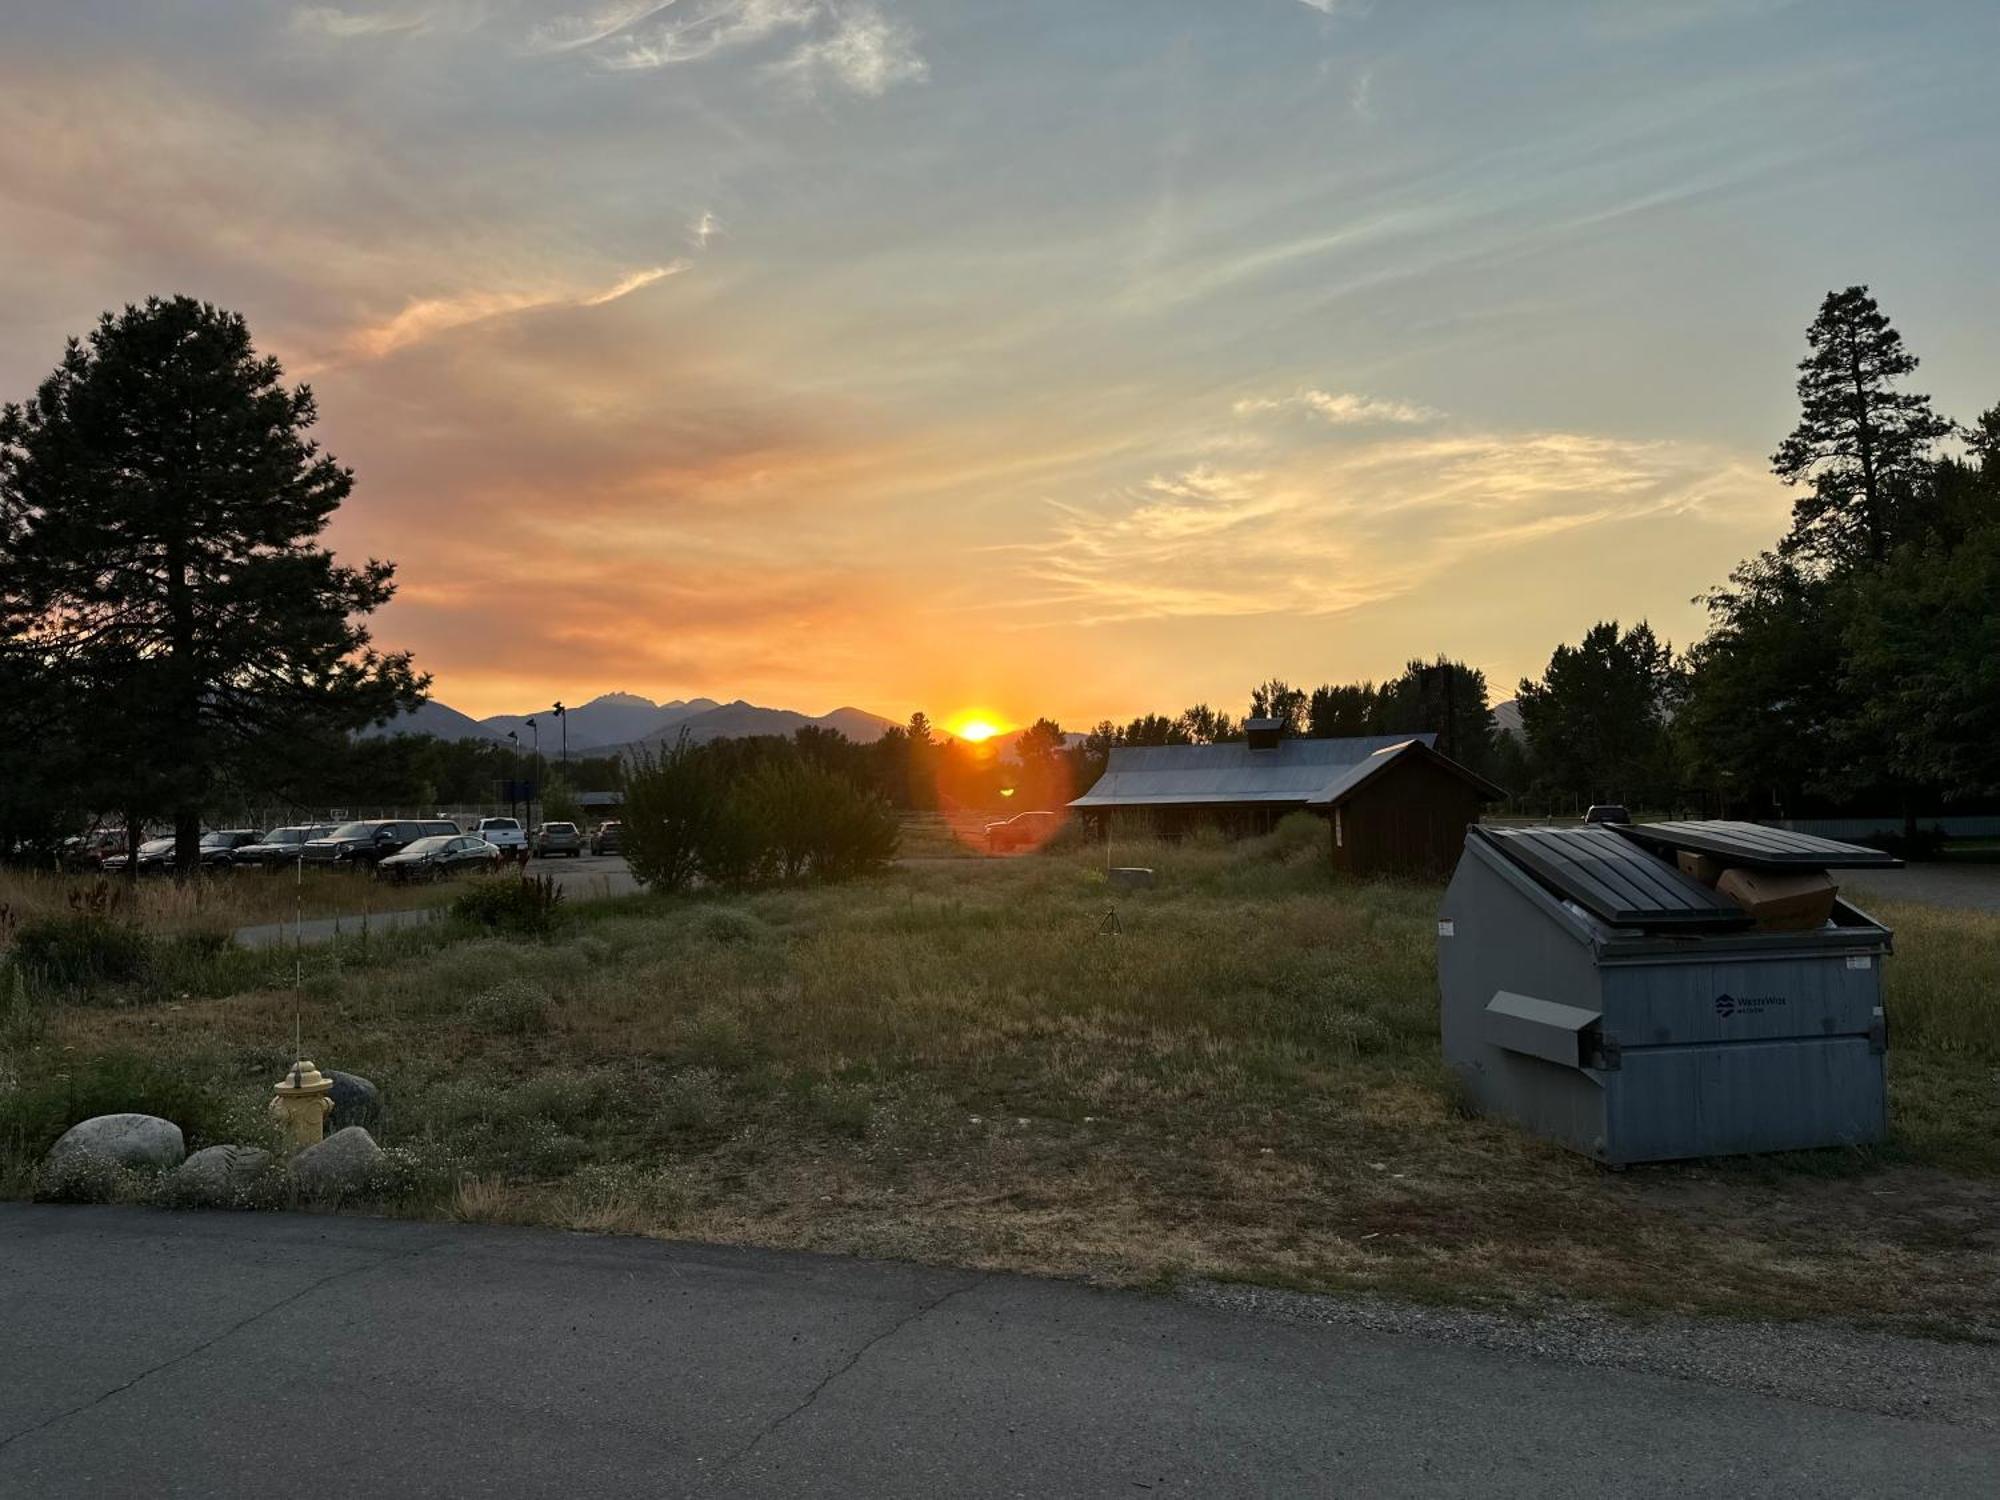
(1861,444)
(163,505)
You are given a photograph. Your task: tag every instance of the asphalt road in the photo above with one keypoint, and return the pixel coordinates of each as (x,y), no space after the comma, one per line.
(586,876)
(237,1354)
(1966,887)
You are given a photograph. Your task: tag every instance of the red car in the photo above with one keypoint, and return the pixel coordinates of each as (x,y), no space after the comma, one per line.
(1028,830)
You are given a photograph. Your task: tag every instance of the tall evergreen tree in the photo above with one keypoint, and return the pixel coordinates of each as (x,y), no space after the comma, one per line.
(163,506)
(1596,720)
(1861,444)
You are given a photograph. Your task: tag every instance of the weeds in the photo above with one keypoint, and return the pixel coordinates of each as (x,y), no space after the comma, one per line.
(527,906)
(958,1063)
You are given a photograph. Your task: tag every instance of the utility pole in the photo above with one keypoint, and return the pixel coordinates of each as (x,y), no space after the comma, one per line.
(535,785)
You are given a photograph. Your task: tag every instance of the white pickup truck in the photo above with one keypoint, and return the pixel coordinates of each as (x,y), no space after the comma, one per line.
(506,835)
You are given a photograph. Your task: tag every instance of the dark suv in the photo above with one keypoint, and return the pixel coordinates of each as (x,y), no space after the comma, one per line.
(360,845)
(281,847)
(220,850)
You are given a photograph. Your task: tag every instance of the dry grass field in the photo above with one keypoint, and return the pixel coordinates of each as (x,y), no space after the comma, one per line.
(998,1063)
(215,903)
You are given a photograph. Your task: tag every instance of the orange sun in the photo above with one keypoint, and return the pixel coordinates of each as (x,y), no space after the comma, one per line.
(974,728)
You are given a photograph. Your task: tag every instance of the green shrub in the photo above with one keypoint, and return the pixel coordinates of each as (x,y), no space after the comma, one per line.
(692,1099)
(35,1113)
(785,817)
(672,801)
(80,951)
(528,905)
(512,1008)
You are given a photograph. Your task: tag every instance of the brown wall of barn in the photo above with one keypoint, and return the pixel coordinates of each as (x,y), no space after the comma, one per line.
(1409,820)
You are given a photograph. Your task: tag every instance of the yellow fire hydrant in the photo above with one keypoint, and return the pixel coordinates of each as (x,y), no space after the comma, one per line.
(300,1105)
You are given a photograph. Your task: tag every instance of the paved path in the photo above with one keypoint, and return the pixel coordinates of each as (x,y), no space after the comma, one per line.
(584,878)
(1965,887)
(245,1355)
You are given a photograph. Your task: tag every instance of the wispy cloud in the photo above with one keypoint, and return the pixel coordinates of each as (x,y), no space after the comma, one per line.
(570,32)
(1340,408)
(429,316)
(865,51)
(704,229)
(347,25)
(851,44)
(1308,540)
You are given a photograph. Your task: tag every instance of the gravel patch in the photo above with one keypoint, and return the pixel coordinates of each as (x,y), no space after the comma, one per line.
(1825,1364)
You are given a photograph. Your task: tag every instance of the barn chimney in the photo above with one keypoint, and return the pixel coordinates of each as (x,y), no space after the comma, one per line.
(1263,734)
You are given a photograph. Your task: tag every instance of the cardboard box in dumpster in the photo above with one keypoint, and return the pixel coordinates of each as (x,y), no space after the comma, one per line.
(1703,867)
(1780,900)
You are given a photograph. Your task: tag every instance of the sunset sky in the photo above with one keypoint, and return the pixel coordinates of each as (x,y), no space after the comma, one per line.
(1079,357)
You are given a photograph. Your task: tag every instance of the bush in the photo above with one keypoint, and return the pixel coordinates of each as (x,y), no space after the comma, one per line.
(671,805)
(34,1114)
(816,822)
(785,818)
(692,1099)
(527,905)
(515,1008)
(81,951)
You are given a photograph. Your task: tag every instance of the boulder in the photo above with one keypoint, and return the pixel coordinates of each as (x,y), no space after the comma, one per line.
(356,1101)
(342,1163)
(1130,878)
(220,1176)
(139,1143)
(94,1155)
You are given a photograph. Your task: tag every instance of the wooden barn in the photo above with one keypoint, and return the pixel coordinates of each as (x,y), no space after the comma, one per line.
(1393,804)
(1402,811)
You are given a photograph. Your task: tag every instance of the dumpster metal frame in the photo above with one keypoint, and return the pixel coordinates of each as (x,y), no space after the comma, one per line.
(1631,1045)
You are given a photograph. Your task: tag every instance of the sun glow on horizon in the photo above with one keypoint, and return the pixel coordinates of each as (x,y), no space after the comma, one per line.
(973,728)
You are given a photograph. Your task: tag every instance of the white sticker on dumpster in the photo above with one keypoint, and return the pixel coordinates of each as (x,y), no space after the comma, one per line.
(1446,929)
(1860,961)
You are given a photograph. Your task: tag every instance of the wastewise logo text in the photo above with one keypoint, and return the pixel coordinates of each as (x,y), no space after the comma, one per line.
(1727,1005)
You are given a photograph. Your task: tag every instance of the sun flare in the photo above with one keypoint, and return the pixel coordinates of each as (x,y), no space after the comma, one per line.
(973,728)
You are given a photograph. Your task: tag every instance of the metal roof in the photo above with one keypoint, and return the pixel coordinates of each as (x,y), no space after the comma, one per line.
(1358,775)
(1221,775)
(1614,879)
(1758,847)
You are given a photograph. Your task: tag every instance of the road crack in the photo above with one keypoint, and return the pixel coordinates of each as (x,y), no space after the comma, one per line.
(916,1315)
(209,1343)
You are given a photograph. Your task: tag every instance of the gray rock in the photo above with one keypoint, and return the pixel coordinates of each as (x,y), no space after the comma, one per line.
(220,1176)
(96,1158)
(341,1163)
(1130,878)
(138,1143)
(356,1101)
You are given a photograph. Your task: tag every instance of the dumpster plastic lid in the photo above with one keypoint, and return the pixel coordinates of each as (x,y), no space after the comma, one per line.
(1615,879)
(1759,848)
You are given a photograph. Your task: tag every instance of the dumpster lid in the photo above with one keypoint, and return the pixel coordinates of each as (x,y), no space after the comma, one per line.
(1616,880)
(1756,847)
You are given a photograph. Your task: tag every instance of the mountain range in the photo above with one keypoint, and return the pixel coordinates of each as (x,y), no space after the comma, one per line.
(618,721)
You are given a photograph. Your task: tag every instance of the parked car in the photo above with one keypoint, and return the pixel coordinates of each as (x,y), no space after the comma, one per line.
(438,858)
(219,850)
(89,851)
(156,856)
(608,838)
(1606,812)
(281,848)
(552,839)
(1028,830)
(363,844)
(506,835)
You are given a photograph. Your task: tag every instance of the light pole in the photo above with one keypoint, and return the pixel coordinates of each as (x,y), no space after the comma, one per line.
(514,782)
(535,785)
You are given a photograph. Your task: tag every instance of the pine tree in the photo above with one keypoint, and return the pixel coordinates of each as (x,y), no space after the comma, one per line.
(162,505)
(1861,444)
